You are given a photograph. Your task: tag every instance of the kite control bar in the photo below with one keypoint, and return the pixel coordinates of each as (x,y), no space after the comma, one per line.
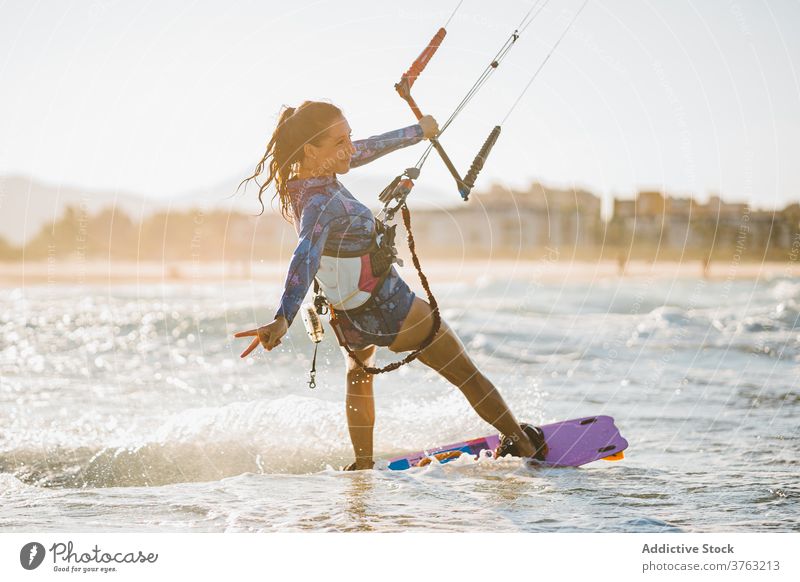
(403,88)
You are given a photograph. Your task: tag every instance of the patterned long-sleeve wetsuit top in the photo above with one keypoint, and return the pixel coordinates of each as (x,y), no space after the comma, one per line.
(329,217)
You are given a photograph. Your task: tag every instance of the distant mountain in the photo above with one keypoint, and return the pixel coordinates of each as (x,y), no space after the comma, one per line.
(27,204)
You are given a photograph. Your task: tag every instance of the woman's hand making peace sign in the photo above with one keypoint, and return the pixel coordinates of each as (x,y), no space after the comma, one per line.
(268,335)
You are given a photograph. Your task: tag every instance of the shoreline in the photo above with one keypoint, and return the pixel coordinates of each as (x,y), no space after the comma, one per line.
(35,273)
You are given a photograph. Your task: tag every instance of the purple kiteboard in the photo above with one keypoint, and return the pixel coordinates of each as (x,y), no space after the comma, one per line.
(570,443)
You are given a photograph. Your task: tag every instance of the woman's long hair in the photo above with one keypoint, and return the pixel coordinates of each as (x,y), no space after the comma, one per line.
(296,127)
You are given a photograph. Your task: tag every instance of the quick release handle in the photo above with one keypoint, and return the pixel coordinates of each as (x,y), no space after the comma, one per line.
(312,322)
(477,163)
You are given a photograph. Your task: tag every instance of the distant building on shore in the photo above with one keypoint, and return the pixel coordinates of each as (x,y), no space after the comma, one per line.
(497,223)
(683,224)
(507,222)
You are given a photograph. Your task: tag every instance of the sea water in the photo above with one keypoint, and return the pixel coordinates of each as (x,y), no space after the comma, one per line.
(127,408)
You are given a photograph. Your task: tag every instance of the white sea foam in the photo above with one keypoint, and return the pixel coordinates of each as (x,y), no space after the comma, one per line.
(136,398)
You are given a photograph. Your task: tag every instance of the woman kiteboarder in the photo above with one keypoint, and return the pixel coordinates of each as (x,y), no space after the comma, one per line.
(338,247)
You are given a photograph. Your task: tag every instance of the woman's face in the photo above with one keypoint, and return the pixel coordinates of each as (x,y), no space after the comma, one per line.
(332,153)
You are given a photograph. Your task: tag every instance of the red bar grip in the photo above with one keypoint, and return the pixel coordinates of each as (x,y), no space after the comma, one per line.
(416,68)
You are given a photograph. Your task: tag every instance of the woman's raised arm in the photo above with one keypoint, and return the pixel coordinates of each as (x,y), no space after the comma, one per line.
(372,148)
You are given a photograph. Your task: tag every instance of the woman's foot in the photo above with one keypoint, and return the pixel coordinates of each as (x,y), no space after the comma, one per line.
(508,446)
(359,466)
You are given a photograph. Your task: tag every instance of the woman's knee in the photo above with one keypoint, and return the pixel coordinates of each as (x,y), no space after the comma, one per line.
(447,355)
(367,357)
(446,347)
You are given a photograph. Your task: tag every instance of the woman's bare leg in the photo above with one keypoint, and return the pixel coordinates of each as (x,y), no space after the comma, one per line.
(447,355)
(360,406)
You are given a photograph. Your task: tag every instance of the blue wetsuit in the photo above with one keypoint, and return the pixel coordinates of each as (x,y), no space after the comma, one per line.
(329,218)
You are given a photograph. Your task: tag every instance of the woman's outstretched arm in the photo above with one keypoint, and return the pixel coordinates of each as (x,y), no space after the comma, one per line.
(315,223)
(317,217)
(372,148)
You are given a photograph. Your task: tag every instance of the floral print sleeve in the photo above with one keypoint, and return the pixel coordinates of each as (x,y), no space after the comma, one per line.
(332,215)
(315,223)
(372,148)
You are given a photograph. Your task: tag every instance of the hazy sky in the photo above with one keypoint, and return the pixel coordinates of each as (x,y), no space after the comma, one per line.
(165,97)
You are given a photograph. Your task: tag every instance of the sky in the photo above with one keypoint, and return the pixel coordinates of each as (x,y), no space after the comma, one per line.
(166,97)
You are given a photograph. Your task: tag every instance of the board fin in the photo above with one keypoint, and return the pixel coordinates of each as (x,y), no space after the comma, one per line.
(615,457)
